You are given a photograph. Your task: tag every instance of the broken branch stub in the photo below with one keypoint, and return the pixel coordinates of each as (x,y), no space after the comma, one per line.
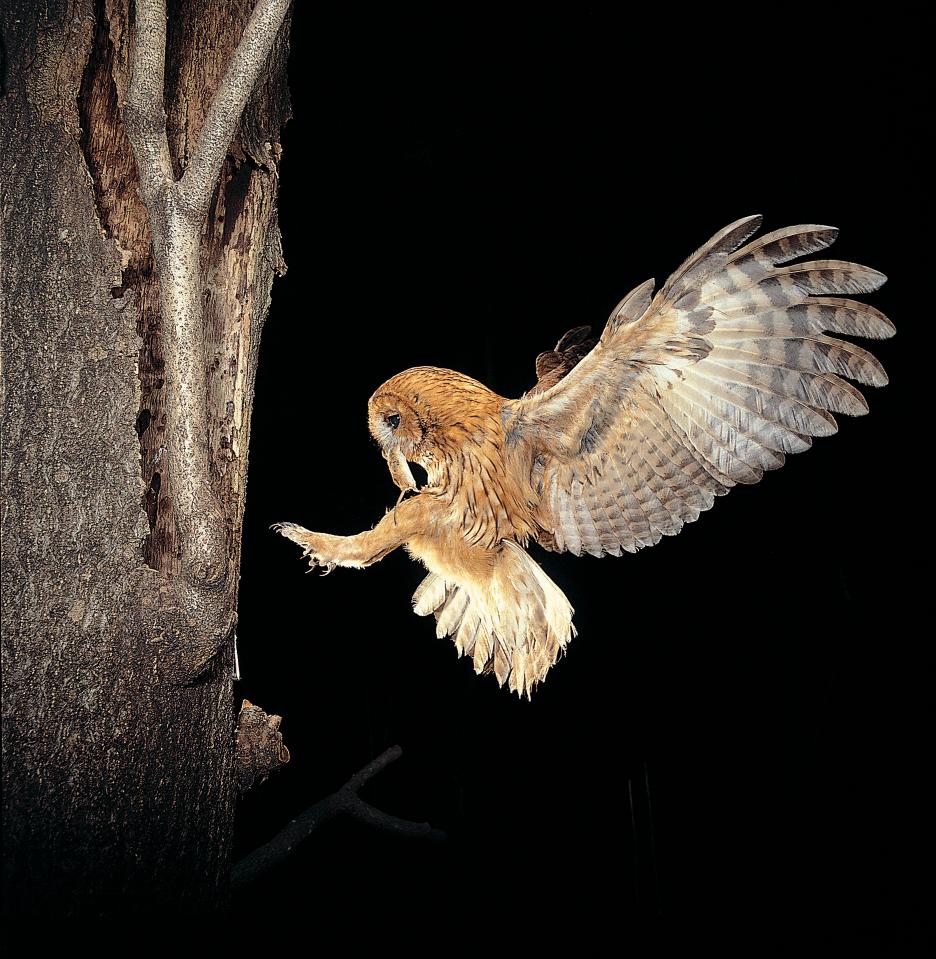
(260,749)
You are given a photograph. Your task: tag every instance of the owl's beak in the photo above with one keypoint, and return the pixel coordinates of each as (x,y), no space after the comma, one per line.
(400,472)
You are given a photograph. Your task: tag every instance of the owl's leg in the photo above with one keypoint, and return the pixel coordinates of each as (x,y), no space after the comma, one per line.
(410,518)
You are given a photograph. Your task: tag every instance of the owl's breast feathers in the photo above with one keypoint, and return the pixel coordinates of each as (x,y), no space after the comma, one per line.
(462,450)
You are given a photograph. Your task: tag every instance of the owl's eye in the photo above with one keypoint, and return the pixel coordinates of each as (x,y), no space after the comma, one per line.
(394,420)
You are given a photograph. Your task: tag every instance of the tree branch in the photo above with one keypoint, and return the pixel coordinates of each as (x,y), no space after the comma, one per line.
(176,212)
(176,247)
(144,111)
(227,105)
(344,801)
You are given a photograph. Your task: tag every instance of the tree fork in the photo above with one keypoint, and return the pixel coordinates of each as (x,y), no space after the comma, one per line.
(177,209)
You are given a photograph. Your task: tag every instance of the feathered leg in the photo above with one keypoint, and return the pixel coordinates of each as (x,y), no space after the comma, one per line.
(410,518)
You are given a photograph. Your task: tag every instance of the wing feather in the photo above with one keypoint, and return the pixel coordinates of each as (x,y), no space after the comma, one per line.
(430,595)
(712,382)
(636,517)
(668,502)
(660,521)
(785,244)
(449,618)
(689,499)
(730,453)
(588,532)
(622,534)
(717,398)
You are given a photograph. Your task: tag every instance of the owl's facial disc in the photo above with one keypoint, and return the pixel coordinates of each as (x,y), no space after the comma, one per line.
(396,427)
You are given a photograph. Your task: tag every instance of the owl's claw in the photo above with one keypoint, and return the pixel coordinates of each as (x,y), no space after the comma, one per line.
(316,561)
(324,551)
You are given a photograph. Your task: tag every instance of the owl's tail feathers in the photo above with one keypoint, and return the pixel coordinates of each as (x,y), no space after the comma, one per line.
(515,625)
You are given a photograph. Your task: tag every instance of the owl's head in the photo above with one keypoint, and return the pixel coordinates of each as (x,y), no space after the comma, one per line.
(421,415)
(396,417)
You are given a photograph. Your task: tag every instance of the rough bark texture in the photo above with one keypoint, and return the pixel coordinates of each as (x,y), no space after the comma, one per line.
(119,767)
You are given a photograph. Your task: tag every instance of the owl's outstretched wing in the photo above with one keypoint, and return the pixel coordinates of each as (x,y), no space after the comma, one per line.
(727,369)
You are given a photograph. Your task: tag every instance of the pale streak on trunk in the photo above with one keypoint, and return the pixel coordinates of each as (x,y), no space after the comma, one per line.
(119,773)
(177,211)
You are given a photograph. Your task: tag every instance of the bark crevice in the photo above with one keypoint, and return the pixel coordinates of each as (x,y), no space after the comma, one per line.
(123,220)
(97,93)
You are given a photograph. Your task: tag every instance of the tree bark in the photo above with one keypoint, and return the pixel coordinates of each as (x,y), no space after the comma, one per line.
(120,778)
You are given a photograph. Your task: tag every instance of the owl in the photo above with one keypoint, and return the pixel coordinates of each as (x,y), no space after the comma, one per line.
(623,440)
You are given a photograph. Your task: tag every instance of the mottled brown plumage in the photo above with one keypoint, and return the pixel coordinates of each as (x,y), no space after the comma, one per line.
(554,364)
(623,440)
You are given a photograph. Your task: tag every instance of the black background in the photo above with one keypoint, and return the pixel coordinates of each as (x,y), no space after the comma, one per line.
(458,192)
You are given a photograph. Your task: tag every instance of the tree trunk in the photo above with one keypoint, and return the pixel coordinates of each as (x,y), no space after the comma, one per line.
(118,647)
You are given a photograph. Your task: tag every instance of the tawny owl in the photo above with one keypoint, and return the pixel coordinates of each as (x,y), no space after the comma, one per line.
(622,440)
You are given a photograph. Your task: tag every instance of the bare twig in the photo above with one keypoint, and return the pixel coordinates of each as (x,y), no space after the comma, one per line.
(344,801)
(144,111)
(228,103)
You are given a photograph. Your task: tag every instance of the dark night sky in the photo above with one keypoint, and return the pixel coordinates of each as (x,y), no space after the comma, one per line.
(458,193)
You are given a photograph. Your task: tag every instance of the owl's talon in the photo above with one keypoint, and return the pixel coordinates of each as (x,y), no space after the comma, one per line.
(327,568)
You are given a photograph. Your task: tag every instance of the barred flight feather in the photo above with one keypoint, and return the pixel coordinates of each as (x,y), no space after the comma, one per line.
(726,371)
(785,244)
